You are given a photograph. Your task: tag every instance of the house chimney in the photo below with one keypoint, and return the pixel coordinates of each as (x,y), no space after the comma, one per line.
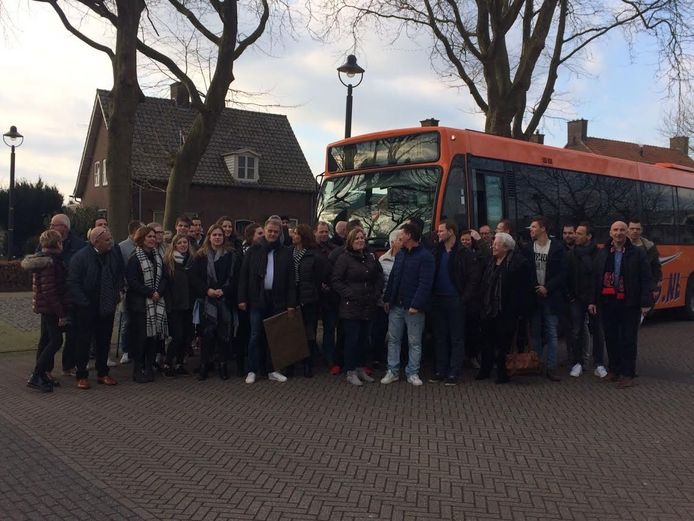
(537,138)
(680,143)
(179,94)
(430,122)
(577,131)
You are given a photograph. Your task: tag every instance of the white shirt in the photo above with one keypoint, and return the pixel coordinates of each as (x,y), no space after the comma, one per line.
(541,255)
(269,271)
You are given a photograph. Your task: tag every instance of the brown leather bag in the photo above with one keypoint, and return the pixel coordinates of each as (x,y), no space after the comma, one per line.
(523,363)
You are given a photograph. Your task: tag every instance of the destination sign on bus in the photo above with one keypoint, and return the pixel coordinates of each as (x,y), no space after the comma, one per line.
(388,151)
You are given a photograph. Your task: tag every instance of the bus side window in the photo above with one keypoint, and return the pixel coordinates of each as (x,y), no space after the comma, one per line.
(685,214)
(489,198)
(454,202)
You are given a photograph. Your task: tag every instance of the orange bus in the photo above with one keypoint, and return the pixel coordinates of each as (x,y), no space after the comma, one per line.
(438,173)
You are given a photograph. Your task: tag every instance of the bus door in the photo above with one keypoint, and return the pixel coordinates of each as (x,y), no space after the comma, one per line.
(488,198)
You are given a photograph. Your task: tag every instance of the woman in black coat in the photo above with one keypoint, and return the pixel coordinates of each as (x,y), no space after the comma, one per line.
(178,261)
(145,303)
(358,278)
(214,277)
(310,274)
(503,293)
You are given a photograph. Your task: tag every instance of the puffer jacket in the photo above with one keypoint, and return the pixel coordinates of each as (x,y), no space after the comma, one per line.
(49,283)
(313,273)
(358,278)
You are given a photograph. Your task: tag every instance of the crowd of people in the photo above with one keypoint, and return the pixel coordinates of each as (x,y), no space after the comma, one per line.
(478,294)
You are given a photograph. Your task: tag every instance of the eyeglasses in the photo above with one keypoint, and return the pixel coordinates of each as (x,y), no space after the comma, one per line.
(160,232)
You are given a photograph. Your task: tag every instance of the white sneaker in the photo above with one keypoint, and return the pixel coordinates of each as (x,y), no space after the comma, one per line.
(363,376)
(600,371)
(124,359)
(353,378)
(250,378)
(276,376)
(576,370)
(389,378)
(111,363)
(414,380)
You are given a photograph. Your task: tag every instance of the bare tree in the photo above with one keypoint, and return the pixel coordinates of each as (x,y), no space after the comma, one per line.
(124,15)
(509,53)
(679,120)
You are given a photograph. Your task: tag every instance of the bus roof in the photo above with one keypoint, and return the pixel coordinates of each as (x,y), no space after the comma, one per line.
(486,145)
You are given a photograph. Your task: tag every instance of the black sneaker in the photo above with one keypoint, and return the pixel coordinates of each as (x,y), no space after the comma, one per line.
(181,371)
(169,371)
(436,378)
(40,384)
(450,381)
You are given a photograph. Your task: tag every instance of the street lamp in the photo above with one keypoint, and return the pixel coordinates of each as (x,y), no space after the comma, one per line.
(12,139)
(349,70)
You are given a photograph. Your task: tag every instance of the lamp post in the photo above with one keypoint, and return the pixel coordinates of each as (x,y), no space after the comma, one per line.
(12,139)
(349,70)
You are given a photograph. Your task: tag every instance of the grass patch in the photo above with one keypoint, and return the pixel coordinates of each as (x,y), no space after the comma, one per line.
(14,339)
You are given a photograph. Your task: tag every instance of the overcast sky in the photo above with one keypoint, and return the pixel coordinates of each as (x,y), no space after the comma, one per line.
(49,79)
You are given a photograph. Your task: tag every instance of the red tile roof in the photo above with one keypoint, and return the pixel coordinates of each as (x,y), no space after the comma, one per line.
(632,151)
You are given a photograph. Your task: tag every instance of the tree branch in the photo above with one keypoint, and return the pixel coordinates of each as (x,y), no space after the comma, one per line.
(195,21)
(253,37)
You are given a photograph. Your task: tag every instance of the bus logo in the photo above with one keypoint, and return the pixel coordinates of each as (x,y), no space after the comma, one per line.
(669,258)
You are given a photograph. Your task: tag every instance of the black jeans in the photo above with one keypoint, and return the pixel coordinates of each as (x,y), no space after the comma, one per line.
(90,325)
(180,323)
(448,317)
(621,325)
(579,339)
(49,344)
(498,335)
(356,342)
(309,316)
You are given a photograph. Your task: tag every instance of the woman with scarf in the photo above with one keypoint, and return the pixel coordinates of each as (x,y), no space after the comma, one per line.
(214,277)
(145,303)
(358,278)
(504,289)
(178,260)
(310,274)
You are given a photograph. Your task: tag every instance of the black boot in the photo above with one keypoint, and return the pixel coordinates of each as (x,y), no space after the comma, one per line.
(150,356)
(202,372)
(138,372)
(308,369)
(223,371)
(40,383)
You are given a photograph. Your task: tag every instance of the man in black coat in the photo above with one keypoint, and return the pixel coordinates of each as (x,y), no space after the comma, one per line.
(622,296)
(95,281)
(549,285)
(266,288)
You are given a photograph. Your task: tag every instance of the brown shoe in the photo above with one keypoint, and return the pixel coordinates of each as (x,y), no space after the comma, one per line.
(611,377)
(83,383)
(106,380)
(625,382)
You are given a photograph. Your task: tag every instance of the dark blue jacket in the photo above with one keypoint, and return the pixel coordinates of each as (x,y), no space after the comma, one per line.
(555,276)
(411,280)
(636,271)
(84,277)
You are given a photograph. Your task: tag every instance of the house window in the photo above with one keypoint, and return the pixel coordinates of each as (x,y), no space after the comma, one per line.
(243,165)
(97,173)
(247,168)
(104,179)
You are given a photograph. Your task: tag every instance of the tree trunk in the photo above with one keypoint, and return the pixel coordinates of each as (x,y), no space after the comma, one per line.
(125,97)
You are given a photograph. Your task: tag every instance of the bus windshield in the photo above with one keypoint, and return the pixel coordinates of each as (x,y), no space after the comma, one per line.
(380,200)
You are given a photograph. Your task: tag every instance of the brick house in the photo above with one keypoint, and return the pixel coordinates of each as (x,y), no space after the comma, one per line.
(677,154)
(252,168)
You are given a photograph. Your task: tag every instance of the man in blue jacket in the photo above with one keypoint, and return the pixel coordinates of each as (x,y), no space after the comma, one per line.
(406,300)
(549,288)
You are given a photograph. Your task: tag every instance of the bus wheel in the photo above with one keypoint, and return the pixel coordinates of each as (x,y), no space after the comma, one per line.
(689,299)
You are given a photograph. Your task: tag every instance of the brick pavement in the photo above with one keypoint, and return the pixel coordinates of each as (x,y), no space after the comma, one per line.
(322,450)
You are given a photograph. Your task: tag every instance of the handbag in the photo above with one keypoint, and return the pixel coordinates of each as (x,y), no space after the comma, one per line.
(524,363)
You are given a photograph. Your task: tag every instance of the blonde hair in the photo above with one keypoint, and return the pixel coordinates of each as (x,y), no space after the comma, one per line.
(169,261)
(50,239)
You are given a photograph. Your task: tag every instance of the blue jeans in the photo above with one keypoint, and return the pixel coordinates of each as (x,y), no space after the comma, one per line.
(398,318)
(545,324)
(449,331)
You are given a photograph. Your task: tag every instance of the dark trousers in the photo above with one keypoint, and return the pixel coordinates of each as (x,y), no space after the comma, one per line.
(180,322)
(356,343)
(448,315)
(309,315)
(379,332)
(258,354)
(329,319)
(579,311)
(621,325)
(49,344)
(498,337)
(243,335)
(473,335)
(142,348)
(90,325)
(69,360)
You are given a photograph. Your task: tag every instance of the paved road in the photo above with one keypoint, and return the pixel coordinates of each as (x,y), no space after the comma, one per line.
(322,450)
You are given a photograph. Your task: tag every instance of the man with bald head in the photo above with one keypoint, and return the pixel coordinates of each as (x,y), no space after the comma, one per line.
(340,235)
(622,297)
(71,242)
(95,280)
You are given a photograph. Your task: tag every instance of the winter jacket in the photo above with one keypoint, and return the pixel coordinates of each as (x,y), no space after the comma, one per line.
(653,257)
(411,280)
(84,277)
(49,283)
(464,269)
(514,286)
(555,276)
(227,272)
(179,294)
(358,279)
(581,279)
(138,292)
(252,278)
(313,273)
(636,273)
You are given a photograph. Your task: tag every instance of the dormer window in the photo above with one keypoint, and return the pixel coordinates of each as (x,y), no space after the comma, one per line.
(97,173)
(243,165)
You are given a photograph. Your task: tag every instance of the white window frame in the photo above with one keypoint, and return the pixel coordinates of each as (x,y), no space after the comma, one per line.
(104,179)
(97,173)
(240,172)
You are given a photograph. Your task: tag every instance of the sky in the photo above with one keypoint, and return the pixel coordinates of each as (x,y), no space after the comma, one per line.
(49,80)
